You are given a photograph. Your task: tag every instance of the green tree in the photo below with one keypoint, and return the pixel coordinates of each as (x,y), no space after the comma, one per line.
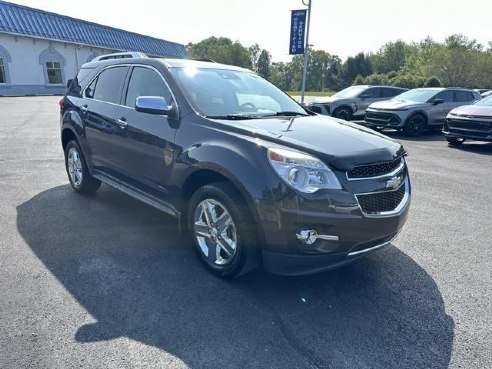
(221,50)
(254,53)
(264,64)
(376,79)
(391,57)
(354,66)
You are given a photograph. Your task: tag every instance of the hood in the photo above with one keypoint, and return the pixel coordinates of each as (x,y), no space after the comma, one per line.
(329,99)
(394,104)
(476,110)
(338,143)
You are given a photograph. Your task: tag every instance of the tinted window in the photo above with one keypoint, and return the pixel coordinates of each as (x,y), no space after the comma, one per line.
(146,82)
(371,93)
(447,96)
(108,85)
(463,96)
(316,109)
(390,92)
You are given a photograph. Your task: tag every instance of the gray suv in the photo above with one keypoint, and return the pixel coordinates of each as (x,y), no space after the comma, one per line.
(419,108)
(353,101)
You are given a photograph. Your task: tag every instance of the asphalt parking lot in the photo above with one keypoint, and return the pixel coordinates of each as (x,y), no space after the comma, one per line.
(107,282)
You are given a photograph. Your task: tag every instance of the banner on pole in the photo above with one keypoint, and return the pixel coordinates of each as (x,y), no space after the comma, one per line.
(297,31)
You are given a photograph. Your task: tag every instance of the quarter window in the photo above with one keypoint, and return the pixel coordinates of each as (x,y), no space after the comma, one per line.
(53,70)
(146,82)
(463,96)
(3,78)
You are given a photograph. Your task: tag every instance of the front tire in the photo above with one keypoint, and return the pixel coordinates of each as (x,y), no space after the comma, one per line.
(415,125)
(77,171)
(343,113)
(223,230)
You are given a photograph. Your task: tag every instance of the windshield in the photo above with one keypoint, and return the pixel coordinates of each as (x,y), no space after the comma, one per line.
(350,91)
(416,95)
(485,102)
(222,93)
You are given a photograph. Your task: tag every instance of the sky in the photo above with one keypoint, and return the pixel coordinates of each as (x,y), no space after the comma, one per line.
(340,27)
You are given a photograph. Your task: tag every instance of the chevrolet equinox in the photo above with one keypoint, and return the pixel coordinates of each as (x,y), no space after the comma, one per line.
(250,175)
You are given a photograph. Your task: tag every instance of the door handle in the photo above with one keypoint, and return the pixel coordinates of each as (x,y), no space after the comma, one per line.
(84,109)
(122,122)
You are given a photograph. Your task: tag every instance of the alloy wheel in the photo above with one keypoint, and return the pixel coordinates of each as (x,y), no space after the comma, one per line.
(74,165)
(215,232)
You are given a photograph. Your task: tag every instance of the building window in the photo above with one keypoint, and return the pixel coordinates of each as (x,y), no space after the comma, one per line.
(54,73)
(3,77)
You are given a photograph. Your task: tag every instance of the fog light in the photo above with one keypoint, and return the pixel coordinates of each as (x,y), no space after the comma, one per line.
(310,236)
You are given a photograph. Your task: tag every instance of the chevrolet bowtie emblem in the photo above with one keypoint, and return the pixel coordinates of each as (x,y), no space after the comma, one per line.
(394,183)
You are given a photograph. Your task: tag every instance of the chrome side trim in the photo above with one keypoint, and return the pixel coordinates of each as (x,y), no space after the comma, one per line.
(391,174)
(397,210)
(137,194)
(369,249)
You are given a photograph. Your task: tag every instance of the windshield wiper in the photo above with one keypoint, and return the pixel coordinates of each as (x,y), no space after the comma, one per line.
(232,116)
(284,114)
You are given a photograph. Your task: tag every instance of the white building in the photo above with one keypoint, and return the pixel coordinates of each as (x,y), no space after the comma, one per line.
(40,51)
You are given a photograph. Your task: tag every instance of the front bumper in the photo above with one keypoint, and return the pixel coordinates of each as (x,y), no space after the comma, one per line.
(383,119)
(354,234)
(468,128)
(291,265)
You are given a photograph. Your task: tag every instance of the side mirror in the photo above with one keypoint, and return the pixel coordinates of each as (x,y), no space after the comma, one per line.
(153,105)
(437,101)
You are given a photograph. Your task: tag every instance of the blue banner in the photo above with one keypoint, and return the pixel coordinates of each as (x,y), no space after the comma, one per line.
(297,31)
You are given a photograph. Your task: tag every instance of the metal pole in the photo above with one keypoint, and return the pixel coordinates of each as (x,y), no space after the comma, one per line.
(306,52)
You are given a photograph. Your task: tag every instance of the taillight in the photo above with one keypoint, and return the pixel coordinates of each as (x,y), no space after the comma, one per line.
(62,103)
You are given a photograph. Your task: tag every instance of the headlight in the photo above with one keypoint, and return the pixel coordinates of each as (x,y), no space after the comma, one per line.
(302,171)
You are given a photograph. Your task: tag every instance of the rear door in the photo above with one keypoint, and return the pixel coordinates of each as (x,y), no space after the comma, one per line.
(97,110)
(144,149)
(368,97)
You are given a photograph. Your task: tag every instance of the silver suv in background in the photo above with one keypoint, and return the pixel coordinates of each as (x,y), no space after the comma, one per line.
(353,101)
(419,108)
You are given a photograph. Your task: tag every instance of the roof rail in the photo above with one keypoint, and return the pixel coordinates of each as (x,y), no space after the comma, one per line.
(124,55)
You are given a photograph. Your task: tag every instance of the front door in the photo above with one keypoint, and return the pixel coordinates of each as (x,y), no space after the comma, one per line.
(144,147)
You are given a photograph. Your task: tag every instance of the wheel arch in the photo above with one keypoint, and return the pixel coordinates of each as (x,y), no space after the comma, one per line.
(418,112)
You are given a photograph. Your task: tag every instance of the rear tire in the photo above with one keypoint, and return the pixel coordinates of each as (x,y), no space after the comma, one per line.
(78,173)
(343,113)
(415,125)
(223,230)
(455,141)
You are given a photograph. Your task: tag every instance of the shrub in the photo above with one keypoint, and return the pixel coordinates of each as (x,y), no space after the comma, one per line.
(392,74)
(432,82)
(359,80)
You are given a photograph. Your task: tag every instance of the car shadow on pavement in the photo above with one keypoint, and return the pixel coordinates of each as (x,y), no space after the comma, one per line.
(483,148)
(127,265)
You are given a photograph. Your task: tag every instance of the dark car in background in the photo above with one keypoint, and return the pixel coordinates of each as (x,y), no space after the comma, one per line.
(469,122)
(352,102)
(249,173)
(418,109)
